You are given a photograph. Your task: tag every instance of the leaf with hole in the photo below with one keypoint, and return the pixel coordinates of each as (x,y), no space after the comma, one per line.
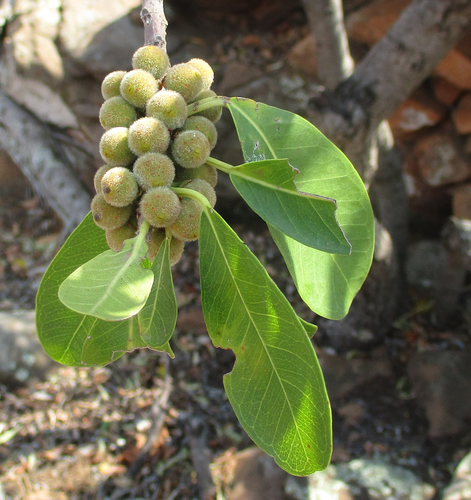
(276,386)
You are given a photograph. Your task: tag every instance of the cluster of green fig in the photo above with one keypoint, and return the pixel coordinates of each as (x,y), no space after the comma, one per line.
(151,146)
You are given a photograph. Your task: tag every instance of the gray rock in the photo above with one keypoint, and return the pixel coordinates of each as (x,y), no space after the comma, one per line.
(460,486)
(374,307)
(343,374)
(426,262)
(441,382)
(32,69)
(32,35)
(22,358)
(99,36)
(6,11)
(38,98)
(367,478)
(256,477)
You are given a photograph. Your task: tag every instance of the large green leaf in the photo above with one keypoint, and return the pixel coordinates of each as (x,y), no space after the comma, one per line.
(63,332)
(268,188)
(326,282)
(112,286)
(157,319)
(276,387)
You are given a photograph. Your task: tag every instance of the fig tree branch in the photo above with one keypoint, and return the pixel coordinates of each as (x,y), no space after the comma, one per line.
(155,23)
(333,53)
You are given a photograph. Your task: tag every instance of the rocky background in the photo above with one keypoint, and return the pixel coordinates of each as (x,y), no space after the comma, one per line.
(147,428)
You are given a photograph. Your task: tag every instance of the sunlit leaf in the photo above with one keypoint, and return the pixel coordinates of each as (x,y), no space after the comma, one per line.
(309,327)
(112,286)
(326,282)
(276,387)
(63,332)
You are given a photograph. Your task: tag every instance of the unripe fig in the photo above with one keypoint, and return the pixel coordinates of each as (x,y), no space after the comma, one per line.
(205,172)
(107,216)
(204,125)
(184,79)
(154,239)
(116,237)
(214,113)
(202,187)
(114,147)
(119,187)
(137,87)
(152,59)
(169,107)
(190,149)
(111,83)
(99,175)
(187,225)
(154,169)
(205,70)
(117,112)
(148,135)
(160,206)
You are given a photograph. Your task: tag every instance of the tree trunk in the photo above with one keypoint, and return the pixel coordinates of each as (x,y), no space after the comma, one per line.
(33,148)
(155,23)
(353,113)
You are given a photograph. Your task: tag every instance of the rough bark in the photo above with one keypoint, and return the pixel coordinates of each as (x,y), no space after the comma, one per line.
(326,22)
(394,67)
(155,23)
(351,114)
(32,146)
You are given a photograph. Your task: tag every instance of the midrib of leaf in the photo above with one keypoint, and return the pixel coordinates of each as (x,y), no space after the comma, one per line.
(134,254)
(108,291)
(255,180)
(259,130)
(280,381)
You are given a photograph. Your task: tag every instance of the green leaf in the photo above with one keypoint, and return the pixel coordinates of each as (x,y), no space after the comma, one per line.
(98,346)
(326,282)
(276,387)
(63,332)
(157,319)
(268,188)
(309,327)
(8,435)
(113,286)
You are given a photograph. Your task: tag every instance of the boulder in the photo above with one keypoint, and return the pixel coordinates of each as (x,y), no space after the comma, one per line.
(99,36)
(22,358)
(441,382)
(461,115)
(441,159)
(460,486)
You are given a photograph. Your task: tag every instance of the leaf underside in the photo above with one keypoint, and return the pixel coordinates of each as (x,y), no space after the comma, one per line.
(112,286)
(276,387)
(70,337)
